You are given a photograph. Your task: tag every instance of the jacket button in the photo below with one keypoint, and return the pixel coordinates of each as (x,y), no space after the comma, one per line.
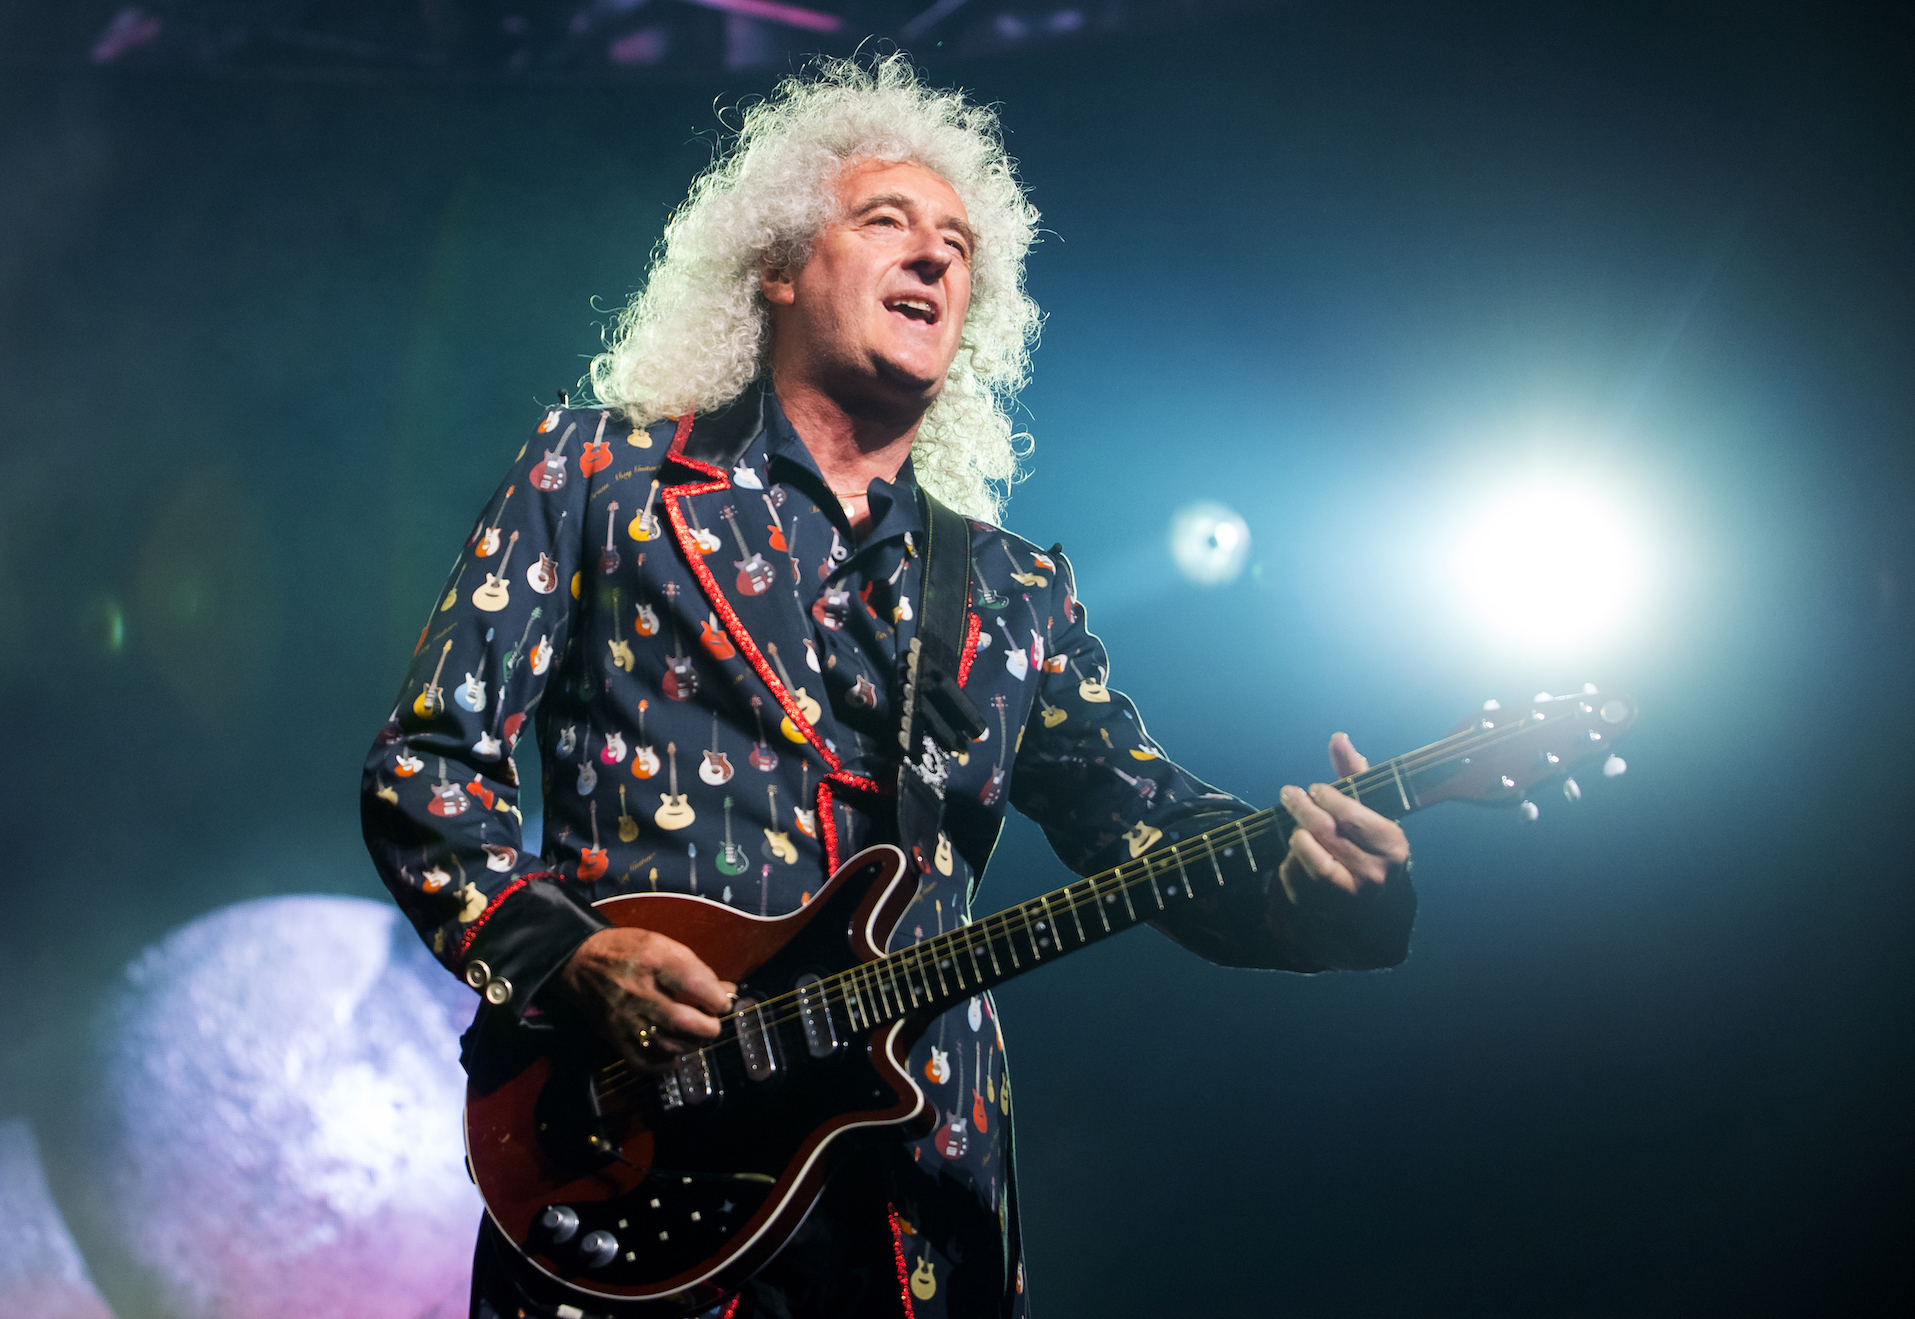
(477,973)
(498,991)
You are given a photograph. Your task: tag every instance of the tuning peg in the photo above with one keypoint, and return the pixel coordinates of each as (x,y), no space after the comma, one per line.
(1492,704)
(1572,791)
(1528,810)
(1614,766)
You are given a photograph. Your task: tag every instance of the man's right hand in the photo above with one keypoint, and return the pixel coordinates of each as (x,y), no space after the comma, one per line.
(649,995)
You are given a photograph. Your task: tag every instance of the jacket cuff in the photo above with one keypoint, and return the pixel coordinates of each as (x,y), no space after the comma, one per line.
(1337,931)
(528,933)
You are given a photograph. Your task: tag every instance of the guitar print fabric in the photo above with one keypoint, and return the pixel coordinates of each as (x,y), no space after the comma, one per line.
(795,602)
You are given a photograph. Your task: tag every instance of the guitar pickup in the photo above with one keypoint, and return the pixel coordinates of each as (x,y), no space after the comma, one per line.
(754,1041)
(693,1078)
(821,1033)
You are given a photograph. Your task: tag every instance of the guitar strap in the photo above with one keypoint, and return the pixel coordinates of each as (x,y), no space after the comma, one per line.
(939,719)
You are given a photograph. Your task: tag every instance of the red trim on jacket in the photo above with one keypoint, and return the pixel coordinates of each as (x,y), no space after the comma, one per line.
(472,930)
(715,595)
(972,626)
(904,1274)
(828,821)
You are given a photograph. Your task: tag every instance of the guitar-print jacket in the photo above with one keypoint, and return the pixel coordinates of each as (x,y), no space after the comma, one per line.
(711,662)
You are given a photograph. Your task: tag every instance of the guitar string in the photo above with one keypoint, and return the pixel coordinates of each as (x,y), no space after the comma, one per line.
(973,940)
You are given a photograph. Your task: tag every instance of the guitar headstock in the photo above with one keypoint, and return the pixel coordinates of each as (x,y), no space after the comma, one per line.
(1496,757)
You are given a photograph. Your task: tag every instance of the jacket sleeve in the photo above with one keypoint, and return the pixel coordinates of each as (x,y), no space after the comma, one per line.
(439,794)
(1091,775)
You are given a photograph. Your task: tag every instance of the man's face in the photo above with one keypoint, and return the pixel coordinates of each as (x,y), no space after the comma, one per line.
(874,316)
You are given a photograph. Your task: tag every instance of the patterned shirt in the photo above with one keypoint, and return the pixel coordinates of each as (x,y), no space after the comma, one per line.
(711,661)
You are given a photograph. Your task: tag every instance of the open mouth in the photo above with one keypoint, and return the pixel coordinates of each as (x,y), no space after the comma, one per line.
(917,309)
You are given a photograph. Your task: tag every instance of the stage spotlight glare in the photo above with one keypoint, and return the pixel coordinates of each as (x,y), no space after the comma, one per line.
(1210,543)
(1551,565)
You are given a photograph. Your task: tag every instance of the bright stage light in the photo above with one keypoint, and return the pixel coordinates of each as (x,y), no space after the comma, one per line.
(1551,565)
(1210,543)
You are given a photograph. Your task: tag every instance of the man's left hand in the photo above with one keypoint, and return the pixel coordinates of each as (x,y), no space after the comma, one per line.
(1339,842)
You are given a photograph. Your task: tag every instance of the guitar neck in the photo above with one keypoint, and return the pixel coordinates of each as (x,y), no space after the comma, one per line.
(942,971)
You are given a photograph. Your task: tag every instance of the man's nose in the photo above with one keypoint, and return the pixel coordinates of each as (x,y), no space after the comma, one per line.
(930,255)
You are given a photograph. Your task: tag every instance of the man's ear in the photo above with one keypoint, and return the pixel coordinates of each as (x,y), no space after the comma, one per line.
(775,282)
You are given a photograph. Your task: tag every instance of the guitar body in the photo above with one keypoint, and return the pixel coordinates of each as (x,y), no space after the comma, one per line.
(495,595)
(550,474)
(680,683)
(778,844)
(993,792)
(592,864)
(596,457)
(715,642)
(543,576)
(732,1174)
(754,575)
(717,768)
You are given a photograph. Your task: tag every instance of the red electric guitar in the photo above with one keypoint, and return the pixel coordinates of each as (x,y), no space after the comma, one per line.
(550,473)
(659,1189)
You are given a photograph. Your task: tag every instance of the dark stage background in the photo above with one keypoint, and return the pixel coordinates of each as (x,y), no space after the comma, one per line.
(267,340)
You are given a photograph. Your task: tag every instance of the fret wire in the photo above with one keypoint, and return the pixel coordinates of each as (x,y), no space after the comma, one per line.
(1011,947)
(1030,937)
(1050,922)
(1073,909)
(1183,874)
(909,987)
(937,965)
(1123,887)
(1150,873)
(1098,904)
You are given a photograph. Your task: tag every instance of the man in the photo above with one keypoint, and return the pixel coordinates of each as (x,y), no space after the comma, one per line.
(706,591)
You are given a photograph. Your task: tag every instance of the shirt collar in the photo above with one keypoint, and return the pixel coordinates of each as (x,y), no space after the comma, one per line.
(894,503)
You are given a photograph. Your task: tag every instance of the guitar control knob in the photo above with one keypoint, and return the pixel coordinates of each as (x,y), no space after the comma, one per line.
(1614,766)
(598,1249)
(1572,791)
(1528,810)
(560,1222)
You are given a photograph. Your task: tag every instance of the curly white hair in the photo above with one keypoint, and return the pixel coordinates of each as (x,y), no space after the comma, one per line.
(697,333)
